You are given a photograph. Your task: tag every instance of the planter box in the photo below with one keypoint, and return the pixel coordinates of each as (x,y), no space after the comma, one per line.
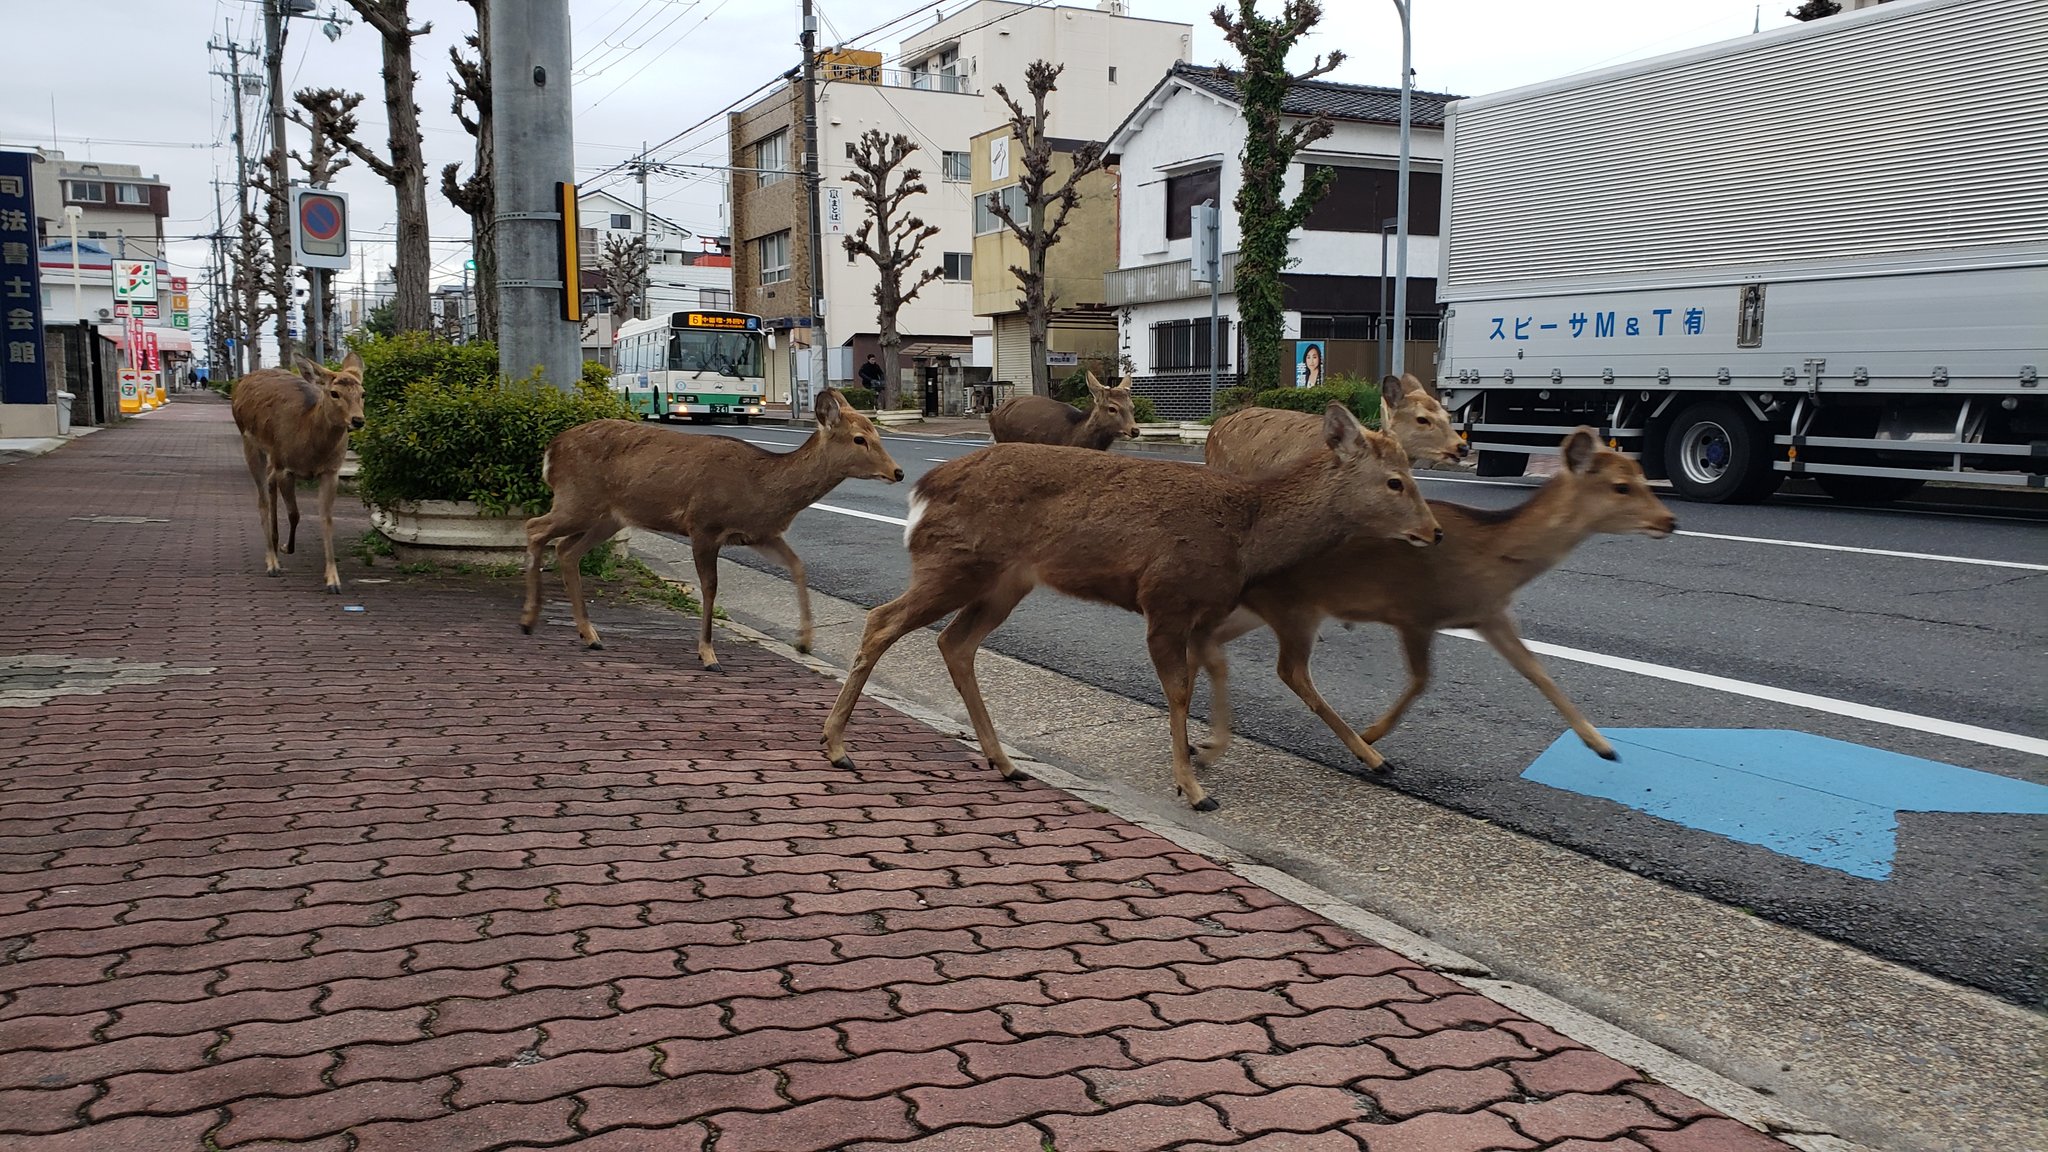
(1194,432)
(457,531)
(898,416)
(1159,431)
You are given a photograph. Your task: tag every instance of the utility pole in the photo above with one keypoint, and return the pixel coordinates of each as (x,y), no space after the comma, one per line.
(646,234)
(280,178)
(814,194)
(1401,208)
(234,78)
(536,169)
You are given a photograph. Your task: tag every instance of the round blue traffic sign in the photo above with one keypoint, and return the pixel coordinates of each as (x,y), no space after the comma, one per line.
(320,216)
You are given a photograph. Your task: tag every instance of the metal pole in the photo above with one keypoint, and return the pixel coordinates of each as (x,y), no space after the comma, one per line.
(815,194)
(531,134)
(71,215)
(1215,271)
(280,179)
(316,318)
(1386,351)
(646,244)
(1401,206)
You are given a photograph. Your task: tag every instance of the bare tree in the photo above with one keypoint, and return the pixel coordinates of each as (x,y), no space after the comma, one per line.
(889,237)
(1047,201)
(319,111)
(274,184)
(1265,220)
(477,196)
(251,264)
(622,271)
(406,170)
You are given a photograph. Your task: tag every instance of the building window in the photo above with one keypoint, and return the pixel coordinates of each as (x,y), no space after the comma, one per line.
(1362,199)
(849,149)
(1112,73)
(959,265)
(771,156)
(1183,193)
(95,235)
(87,191)
(773,252)
(130,194)
(622,221)
(986,221)
(1180,345)
(957,166)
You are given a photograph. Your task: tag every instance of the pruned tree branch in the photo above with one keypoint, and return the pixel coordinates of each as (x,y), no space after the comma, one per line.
(889,237)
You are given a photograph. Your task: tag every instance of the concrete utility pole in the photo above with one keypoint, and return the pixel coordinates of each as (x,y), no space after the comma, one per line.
(1401,208)
(234,78)
(280,176)
(646,241)
(814,193)
(534,151)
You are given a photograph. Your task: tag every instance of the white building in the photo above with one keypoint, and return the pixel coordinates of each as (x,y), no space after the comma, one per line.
(939,91)
(684,270)
(1182,146)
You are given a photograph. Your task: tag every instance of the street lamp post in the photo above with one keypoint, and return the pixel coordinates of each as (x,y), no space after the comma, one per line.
(1401,207)
(71,214)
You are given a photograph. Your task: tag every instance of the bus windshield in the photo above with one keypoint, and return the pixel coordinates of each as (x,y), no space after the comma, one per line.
(725,353)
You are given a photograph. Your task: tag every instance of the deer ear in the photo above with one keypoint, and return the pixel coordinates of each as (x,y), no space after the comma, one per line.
(306,368)
(1342,431)
(353,362)
(1392,391)
(1123,385)
(829,408)
(1095,386)
(1578,449)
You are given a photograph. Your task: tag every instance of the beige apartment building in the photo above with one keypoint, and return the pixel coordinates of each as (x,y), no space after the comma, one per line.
(938,90)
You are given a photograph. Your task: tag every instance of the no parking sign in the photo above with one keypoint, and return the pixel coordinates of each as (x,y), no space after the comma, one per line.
(319,228)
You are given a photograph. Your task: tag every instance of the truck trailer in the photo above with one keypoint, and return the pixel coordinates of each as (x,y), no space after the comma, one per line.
(1819,251)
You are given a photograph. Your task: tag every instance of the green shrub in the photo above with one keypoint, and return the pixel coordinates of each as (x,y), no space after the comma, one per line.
(1231,399)
(472,441)
(596,375)
(1360,395)
(393,364)
(861,398)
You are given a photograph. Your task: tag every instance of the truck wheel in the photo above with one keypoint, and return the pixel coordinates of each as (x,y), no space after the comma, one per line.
(1502,463)
(1867,489)
(1716,453)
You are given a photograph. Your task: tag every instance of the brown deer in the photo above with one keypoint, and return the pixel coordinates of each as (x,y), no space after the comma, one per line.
(295,427)
(1044,420)
(1264,438)
(610,474)
(1467,581)
(1156,537)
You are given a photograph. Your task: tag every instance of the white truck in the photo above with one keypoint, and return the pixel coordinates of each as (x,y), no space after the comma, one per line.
(1820,251)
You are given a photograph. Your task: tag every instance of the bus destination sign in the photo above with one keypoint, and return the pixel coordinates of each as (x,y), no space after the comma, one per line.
(725,321)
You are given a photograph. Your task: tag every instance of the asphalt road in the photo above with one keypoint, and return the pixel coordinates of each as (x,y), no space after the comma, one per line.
(1806,605)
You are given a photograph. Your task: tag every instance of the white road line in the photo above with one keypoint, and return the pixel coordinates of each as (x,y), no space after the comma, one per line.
(1992,737)
(1867,551)
(1849,708)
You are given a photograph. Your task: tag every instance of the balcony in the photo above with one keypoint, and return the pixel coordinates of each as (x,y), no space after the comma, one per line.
(897,78)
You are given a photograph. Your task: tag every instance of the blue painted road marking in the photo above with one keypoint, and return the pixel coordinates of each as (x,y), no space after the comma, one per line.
(1827,802)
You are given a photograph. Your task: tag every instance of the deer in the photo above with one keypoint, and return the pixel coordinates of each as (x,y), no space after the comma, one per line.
(717,490)
(1466,581)
(1271,437)
(1044,420)
(1175,544)
(294,427)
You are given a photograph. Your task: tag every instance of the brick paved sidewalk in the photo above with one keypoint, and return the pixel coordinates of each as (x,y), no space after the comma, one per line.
(274,875)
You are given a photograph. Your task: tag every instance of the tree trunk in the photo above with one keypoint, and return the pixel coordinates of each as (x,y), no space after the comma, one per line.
(411,309)
(483,225)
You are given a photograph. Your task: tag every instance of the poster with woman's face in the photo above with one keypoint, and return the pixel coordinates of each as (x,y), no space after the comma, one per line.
(1308,363)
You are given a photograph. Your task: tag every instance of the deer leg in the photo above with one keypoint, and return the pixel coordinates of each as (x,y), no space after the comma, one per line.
(1169,645)
(539,531)
(706,556)
(1500,633)
(920,604)
(1297,638)
(568,555)
(1216,662)
(329,481)
(779,549)
(1415,648)
(958,645)
(266,502)
(288,487)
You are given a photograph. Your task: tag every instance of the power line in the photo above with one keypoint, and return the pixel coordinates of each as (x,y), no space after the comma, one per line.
(655,56)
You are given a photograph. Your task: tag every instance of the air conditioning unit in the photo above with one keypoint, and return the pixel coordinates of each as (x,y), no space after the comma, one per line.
(106,313)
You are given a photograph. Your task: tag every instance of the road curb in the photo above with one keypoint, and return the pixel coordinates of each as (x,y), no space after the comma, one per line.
(1742,1103)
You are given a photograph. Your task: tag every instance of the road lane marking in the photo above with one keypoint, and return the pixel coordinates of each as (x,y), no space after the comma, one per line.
(1991,737)
(1867,551)
(1849,708)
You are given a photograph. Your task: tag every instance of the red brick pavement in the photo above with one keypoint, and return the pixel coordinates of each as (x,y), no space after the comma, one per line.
(406,879)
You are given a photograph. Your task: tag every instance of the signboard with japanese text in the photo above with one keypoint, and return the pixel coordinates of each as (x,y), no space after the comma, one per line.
(835,213)
(22,379)
(134,342)
(135,281)
(150,358)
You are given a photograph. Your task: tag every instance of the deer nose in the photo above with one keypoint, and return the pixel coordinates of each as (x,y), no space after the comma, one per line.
(1464,449)
(1439,536)
(899,474)
(355,422)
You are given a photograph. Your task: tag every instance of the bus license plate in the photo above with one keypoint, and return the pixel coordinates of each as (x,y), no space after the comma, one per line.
(720,409)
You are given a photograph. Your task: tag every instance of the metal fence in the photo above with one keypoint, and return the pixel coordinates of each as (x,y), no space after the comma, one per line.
(1182,396)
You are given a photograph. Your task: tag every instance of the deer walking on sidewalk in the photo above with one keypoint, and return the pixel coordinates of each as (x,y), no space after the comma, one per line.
(294,427)
(719,491)
(1177,544)
(1251,440)
(1044,420)
(1467,581)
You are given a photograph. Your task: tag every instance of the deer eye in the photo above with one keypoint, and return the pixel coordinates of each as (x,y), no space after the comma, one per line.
(860,440)
(1422,420)
(1394,484)
(1621,488)
(334,392)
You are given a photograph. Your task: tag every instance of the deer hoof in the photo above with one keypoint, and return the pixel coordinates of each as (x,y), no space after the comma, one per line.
(1208,804)
(1607,754)
(1014,773)
(334,589)
(1386,767)
(273,571)
(526,628)
(803,648)
(844,763)
(594,646)
(714,666)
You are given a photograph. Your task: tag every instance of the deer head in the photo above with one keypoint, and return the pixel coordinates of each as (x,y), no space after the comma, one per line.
(1609,493)
(851,441)
(1412,416)
(1113,407)
(1377,489)
(340,391)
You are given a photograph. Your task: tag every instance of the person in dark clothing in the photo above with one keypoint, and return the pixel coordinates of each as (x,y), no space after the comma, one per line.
(871,375)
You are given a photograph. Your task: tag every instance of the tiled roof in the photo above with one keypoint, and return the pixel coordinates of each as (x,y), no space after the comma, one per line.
(1326,98)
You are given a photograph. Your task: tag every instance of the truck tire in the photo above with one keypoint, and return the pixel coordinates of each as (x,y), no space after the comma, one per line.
(1717,453)
(1502,463)
(1867,489)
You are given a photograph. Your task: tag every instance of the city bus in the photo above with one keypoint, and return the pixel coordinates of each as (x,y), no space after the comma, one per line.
(694,363)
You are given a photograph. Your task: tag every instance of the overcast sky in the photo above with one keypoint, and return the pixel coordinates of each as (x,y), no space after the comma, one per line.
(649,68)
